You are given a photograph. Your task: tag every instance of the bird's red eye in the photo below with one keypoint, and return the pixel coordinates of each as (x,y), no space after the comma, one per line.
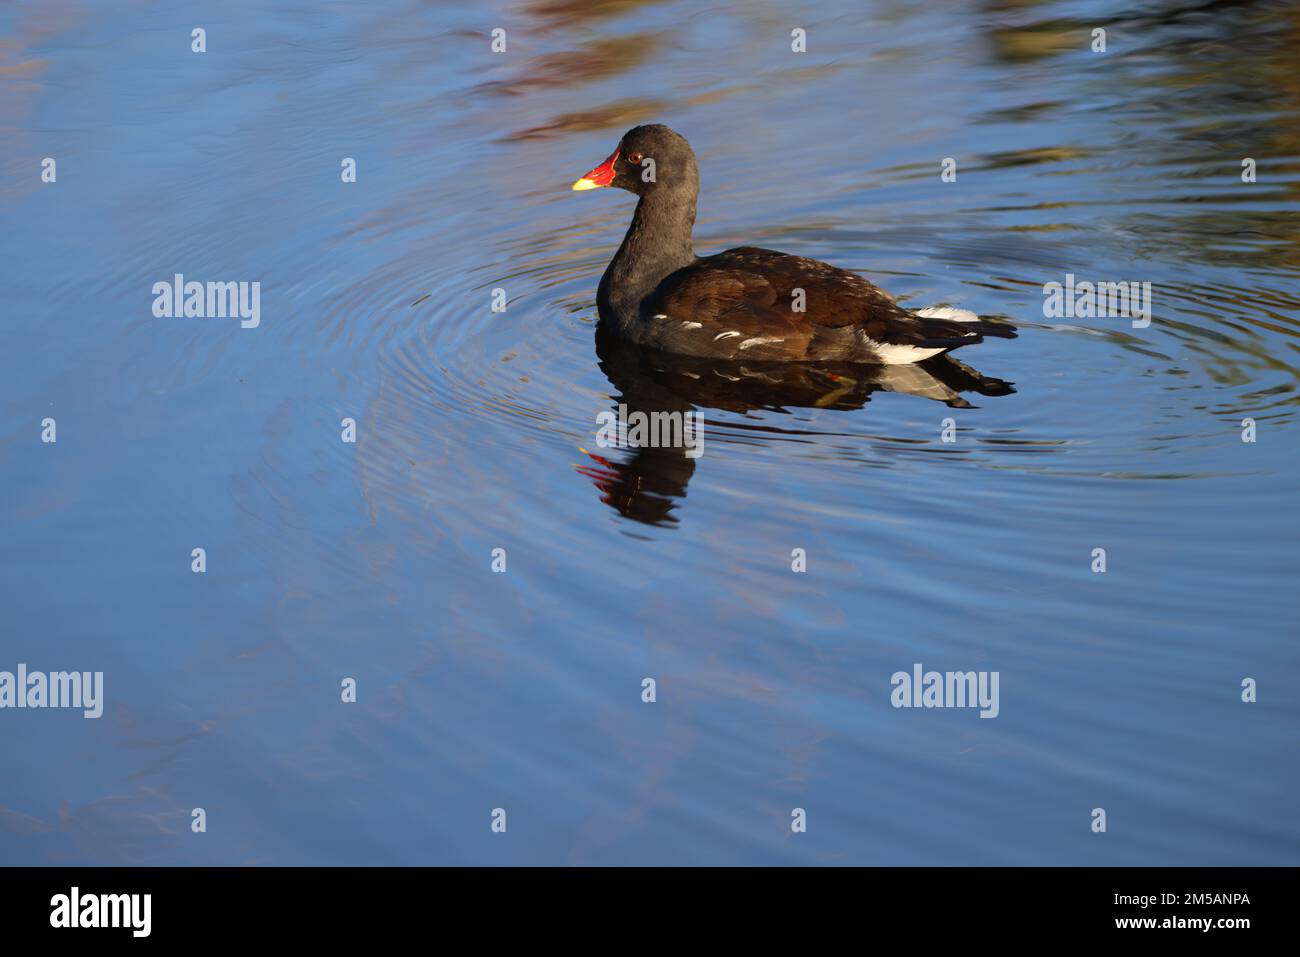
(634,159)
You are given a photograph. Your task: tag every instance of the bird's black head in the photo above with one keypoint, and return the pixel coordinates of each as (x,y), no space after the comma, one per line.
(648,159)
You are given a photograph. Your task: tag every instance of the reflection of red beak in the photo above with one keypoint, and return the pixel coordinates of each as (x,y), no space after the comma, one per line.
(602,175)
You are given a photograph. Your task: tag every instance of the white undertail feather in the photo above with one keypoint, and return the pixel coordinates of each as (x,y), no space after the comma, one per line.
(948,312)
(897,355)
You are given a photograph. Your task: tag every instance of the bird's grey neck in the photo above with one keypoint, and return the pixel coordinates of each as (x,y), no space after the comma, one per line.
(657,244)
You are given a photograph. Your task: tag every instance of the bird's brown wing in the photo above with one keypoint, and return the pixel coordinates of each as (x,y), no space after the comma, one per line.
(751,298)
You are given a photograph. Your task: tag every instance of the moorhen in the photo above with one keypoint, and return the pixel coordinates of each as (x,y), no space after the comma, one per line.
(745,303)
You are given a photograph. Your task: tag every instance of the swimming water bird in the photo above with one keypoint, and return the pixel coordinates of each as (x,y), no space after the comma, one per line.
(746,303)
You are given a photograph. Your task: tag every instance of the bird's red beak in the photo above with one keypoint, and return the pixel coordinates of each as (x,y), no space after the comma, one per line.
(602,175)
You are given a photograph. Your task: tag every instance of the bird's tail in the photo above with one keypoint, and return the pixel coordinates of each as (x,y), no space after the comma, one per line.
(951,323)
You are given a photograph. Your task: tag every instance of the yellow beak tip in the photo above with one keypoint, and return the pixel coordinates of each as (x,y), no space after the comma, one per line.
(585,183)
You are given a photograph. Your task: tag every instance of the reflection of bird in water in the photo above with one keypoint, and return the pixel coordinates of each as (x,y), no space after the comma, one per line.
(646,485)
